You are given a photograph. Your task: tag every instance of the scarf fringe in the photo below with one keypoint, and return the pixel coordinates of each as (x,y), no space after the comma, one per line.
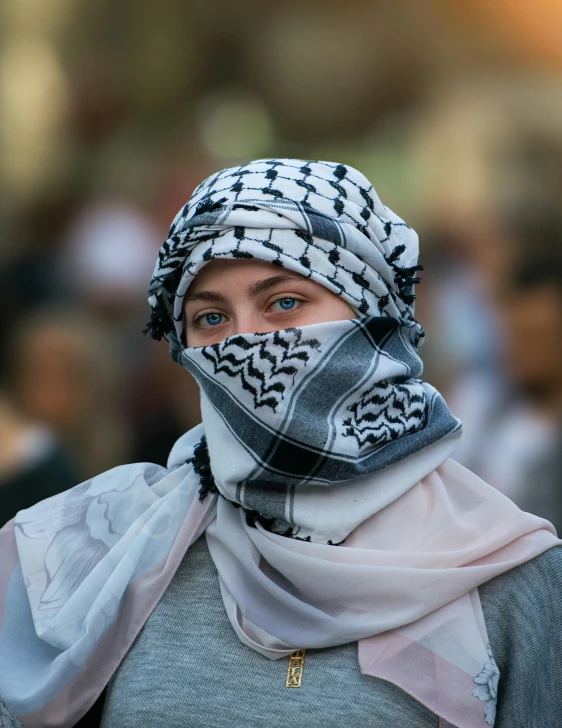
(404,277)
(201,462)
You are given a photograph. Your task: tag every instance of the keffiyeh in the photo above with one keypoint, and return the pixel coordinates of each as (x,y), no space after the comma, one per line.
(323,433)
(322,220)
(299,421)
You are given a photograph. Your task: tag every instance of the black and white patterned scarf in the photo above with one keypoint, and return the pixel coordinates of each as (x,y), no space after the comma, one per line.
(290,412)
(320,219)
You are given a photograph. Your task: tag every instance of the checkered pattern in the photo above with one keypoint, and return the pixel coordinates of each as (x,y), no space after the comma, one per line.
(320,219)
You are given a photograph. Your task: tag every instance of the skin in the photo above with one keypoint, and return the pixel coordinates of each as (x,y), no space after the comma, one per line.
(230,297)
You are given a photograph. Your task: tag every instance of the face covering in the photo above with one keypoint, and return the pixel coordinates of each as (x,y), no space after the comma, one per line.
(296,421)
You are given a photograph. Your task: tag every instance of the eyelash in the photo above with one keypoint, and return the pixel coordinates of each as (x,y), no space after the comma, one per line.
(196,320)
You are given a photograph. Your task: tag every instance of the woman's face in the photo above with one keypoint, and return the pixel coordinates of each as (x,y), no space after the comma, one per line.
(231,297)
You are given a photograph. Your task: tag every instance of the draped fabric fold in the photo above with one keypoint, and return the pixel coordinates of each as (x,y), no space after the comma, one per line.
(403,584)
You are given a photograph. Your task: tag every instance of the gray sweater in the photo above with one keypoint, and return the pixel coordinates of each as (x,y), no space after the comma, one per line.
(188,669)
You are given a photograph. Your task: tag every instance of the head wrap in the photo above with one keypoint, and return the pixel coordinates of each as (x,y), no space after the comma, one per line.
(322,220)
(321,433)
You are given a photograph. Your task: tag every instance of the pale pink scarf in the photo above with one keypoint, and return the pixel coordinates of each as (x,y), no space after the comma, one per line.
(403,585)
(408,576)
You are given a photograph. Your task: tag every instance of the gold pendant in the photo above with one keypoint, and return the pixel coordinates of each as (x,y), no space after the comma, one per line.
(294,671)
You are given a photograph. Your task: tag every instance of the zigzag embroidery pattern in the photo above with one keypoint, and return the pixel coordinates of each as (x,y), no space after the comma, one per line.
(386,412)
(262,370)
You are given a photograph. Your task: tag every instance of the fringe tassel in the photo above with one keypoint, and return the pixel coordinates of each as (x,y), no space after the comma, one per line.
(202,466)
(405,278)
(160,324)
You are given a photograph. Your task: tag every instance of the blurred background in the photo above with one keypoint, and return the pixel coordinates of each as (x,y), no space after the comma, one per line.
(111,111)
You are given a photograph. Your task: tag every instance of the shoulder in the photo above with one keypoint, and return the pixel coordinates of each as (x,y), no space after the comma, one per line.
(523,612)
(522,608)
(527,585)
(523,604)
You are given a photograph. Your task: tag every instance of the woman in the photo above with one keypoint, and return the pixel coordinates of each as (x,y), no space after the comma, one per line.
(385,582)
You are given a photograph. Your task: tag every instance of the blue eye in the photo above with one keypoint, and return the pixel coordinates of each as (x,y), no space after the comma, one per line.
(213,319)
(287,303)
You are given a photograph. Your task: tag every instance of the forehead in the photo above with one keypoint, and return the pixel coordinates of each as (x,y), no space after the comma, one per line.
(226,273)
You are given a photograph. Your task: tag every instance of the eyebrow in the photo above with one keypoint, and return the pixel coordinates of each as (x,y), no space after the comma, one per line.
(212,296)
(267,283)
(255,289)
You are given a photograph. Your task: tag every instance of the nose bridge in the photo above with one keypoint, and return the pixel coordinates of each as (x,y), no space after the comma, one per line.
(247,320)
